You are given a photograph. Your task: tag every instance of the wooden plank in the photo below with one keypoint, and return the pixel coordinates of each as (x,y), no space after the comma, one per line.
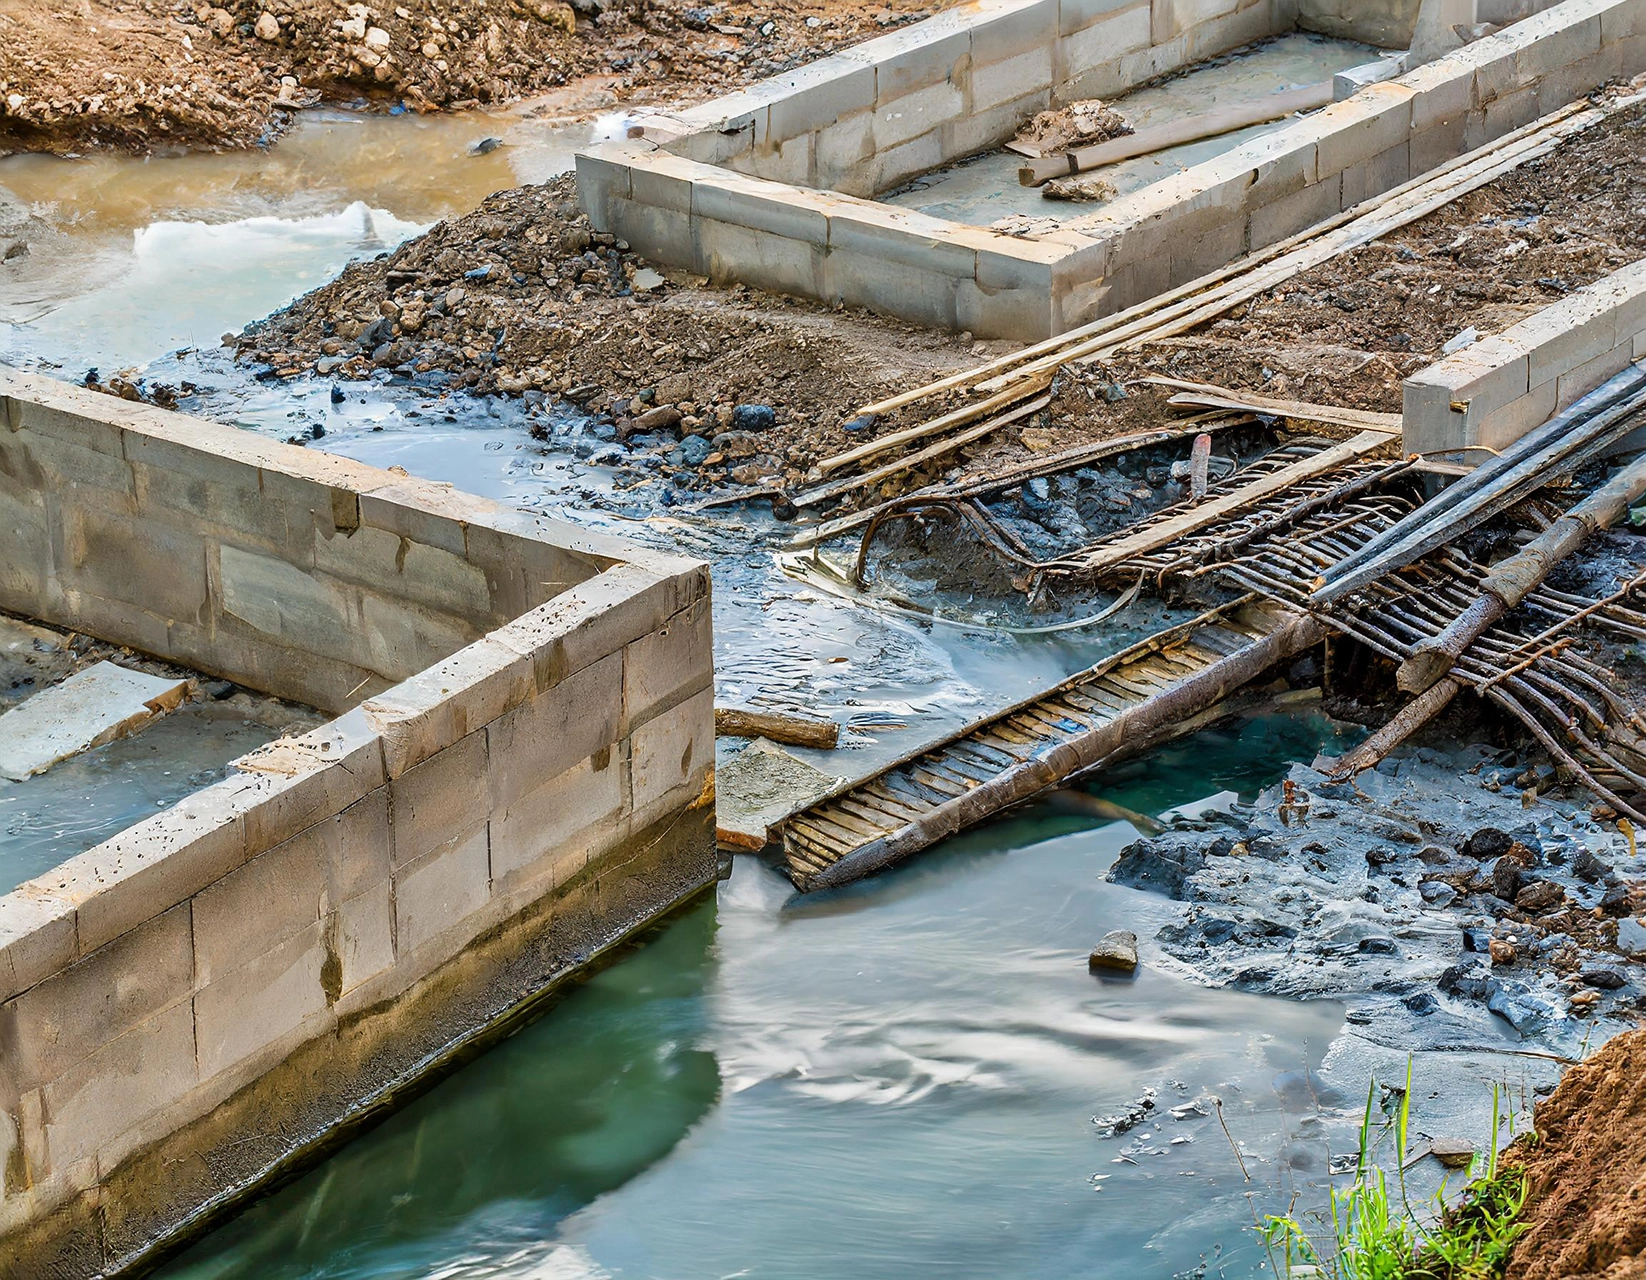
(1107,554)
(959,417)
(1203,395)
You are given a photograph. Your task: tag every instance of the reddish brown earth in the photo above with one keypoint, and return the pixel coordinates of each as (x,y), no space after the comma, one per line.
(1587,1171)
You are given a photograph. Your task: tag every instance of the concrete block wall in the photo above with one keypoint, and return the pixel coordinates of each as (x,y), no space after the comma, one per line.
(193,1003)
(671,196)
(1492,392)
(865,120)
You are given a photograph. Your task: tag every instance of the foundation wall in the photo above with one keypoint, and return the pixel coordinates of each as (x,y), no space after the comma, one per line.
(1387,23)
(1493,392)
(194,1002)
(670,195)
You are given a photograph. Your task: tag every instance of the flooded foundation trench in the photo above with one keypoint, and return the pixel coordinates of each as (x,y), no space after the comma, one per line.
(876,1040)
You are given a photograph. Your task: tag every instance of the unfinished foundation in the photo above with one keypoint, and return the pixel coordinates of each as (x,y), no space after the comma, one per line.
(774,186)
(519,774)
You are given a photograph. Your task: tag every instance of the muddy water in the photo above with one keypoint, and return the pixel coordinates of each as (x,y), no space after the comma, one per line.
(133,258)
(894,1080)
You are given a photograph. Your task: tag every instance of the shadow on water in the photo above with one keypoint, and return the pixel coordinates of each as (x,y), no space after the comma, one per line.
(893,1079)
(570,1108)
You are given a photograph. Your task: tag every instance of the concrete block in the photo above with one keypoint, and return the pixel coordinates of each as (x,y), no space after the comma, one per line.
(1003,30)
(270,997)
(820,93)
(36,938)
(255,908)
(672,751)
(1496,64)
(1206,249)
(670,664)
(1504,115)
(442,798)
(918,57)
(1375,176)
(1231,30)
(724,252)
(76,416)
(1578,382)
(149,868)
(1009,81)
(904,236)
(1371,123)
(902,119)
(1571,41)
(1488,375)
(1078,15)
(987,129)
(1022,315)
(119,1085)
(1086,53)
(396,565)
(64,1019)
(1619,22)
(897,165)
(400,639)
(1291,214)
(543,738)
(1444,91)
(1578,79)
(602,176)
(434,515)
(283,602)
(788,162)
(1437,144)
(1501,428)
(922,294)
(434,708)
(1640,346)
(23,526)
(1566,338)
(365,938)
(161,567)
(441,890)
(1283,163)
(842,155)
(550,829)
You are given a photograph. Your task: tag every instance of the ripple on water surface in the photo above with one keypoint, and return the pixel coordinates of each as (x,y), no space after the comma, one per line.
(890,1080)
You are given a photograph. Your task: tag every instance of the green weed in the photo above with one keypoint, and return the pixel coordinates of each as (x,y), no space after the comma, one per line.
(1376,1234)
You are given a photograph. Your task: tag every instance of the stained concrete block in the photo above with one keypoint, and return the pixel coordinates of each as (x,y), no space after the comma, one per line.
(1291,214)
(777,263)
(434,708)
(672,751)
(602,176)
(1008,82)
(441,798)
(282,601)
(1375,176)
(986,130)
(918,57)
(1022,315)
(904,236)
(1564,41)
(441,890)
(900,163)
(1503,427)
(258,906)
(1371,123)
(1579,79)
(1578,382)
(1283,163)
(891,287)
(905,118)
(1444,91)
(566,723)
(36,938)
(843,153)
(1092,53)
(384,562)
(119,1085)
(400,639)
(64,1019)
(549,830)
(1078,15)
(269,997)
(820,93)
(670,664)
(1490,374)
(160,566)
(365,937)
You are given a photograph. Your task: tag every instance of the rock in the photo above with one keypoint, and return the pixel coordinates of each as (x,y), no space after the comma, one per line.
(645,280)
(693,450)
(1615,901)
(736,444)
(377,39)
(1454,1153)
(1115,952)
(1519,1008)
(1601,976)
(485,146)
(1488,842)
(1540,896)
(1466,979)
(1421,1003)
(1588,868)
(658,419)
(1506,877)
(1437,893)
(1631,936)
(674,389)
(1502,952)
(753,417)
(1160,865)
(267,28)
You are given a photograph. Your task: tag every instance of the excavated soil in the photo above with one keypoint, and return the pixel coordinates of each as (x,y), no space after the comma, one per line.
(1587,1171)
(140,75)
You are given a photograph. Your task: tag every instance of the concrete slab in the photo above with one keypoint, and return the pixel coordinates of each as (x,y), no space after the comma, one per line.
(94,706)
(759,787)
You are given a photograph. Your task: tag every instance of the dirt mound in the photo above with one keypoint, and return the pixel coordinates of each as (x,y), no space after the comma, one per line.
(139,74)
(522,296)
(1587,1208)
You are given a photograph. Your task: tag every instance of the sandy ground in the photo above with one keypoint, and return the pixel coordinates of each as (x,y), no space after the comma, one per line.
(1587,1172)
(140,75)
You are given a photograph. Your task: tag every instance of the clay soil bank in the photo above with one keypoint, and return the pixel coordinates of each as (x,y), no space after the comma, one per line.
(143,75)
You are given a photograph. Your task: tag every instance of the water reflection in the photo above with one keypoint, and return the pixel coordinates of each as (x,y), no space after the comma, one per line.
(895,1079)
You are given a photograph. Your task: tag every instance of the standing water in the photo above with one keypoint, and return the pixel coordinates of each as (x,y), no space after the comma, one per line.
(887,1080)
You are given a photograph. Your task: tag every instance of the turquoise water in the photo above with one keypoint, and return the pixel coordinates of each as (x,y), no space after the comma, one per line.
(891,1080)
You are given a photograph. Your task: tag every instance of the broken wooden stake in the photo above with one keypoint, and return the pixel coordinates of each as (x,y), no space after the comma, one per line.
(776,726)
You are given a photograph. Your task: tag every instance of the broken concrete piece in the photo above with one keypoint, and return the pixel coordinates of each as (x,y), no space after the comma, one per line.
(759,787)
(1116,952)
(91,707)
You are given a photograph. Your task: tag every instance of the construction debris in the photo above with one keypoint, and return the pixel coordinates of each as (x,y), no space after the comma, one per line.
(91,707)
(777,726)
